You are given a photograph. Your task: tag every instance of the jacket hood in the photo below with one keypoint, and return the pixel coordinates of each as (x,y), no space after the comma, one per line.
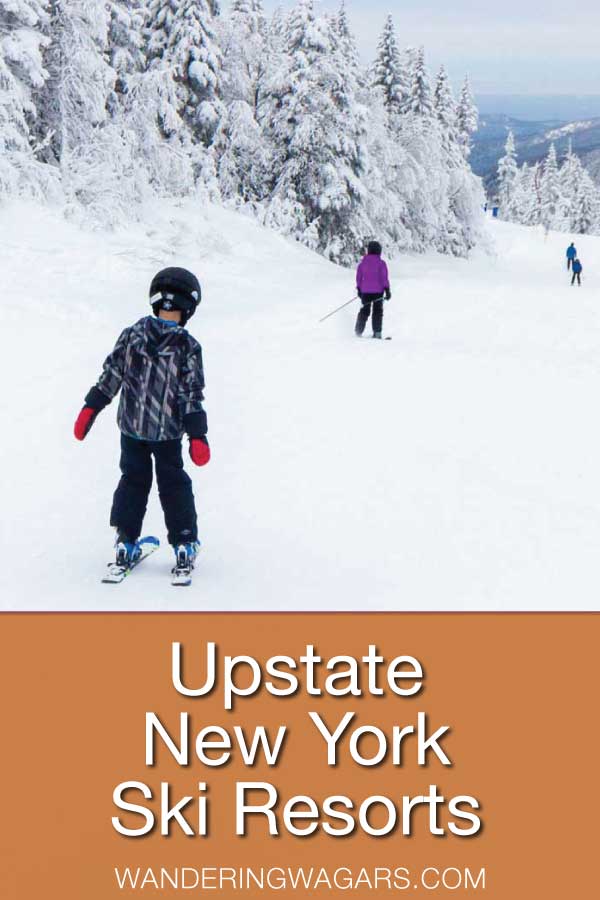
(157,334)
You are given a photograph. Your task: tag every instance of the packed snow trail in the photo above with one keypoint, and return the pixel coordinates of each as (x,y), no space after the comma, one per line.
(456,467)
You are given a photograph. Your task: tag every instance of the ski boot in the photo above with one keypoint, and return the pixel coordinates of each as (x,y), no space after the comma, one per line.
(185,557)
(128,552)
(377,335)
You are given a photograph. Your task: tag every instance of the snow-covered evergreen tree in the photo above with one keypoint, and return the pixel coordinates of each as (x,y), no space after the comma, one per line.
(244,53)
(162,140)
(507,176)
(420,101)
(242,149)
(249,15)
(81,78)
(346,41)
(181,35)
(23,39)
(550,194)
(444,104)
(317,138)
(126,40)
(388,73)
(467,117)
(244,166)
(571,173)
(585,210)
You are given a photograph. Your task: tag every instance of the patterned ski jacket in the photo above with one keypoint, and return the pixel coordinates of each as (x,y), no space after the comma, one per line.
(158,367)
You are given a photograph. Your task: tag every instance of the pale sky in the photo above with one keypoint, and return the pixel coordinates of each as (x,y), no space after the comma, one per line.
(526,47)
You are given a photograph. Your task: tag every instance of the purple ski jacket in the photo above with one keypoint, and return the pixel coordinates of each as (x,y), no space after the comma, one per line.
(372,275)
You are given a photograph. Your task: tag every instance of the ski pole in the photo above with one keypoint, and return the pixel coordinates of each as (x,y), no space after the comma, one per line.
(333,312)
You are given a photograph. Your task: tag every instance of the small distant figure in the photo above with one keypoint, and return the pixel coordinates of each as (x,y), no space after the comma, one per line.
(495,211)
(577,270)
(571,255)
(372,285)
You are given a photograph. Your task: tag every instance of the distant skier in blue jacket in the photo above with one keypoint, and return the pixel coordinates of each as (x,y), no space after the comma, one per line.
(577,270)
(571,255)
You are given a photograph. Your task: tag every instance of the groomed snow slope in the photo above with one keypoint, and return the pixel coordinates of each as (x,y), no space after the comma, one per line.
(454,468)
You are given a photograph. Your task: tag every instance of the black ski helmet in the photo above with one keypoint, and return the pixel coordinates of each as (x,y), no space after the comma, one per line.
(374,248)
(175,288)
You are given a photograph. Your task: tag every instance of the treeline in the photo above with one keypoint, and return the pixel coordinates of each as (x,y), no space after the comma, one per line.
(105,105)
(561,195)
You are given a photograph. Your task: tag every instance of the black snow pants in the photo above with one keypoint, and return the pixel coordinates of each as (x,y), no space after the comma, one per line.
(372,305)
(569,263)
(174,489)
(576,275)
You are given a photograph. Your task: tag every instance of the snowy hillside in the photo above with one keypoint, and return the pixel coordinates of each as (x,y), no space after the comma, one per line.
(456,467)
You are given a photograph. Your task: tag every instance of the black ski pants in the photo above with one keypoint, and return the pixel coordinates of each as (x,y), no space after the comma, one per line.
(372,306)
(174,489)
(569,263)
(576,275)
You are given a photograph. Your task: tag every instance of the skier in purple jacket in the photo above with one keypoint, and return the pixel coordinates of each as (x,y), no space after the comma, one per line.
(372,285)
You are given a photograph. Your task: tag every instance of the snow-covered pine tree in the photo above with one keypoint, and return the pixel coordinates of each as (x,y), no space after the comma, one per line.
(570,175)
(508,171)
(244,62)
(181,36)
(126,40)
(535,175)
(347,45)
(162,139)
(102,176)
(514,211)
(242,151)
(81,78)
(317,137)
(250,15)
(425,178)
(550,194)
(243,154)
(467,117)
(585,214)
(429,181)
(23,39)
(388,73)
(390,179)
(276,25)
(420,100)
(445,105)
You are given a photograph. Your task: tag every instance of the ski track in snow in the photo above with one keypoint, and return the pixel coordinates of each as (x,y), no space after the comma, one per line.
(454,468)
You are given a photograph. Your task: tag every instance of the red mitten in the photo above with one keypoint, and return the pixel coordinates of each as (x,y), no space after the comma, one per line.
(84,422)
(199,451)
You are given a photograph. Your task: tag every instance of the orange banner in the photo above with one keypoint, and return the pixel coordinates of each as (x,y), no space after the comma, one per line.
(250,755)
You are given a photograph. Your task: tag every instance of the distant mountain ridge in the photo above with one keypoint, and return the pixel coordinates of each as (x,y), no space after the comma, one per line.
(533,140)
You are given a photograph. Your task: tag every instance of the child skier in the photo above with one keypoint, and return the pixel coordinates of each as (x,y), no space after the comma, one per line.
(372,285)
(157,365)
(577,270)
(571,255)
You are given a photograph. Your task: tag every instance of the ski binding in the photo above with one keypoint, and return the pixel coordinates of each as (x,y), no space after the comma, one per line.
(181,573)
